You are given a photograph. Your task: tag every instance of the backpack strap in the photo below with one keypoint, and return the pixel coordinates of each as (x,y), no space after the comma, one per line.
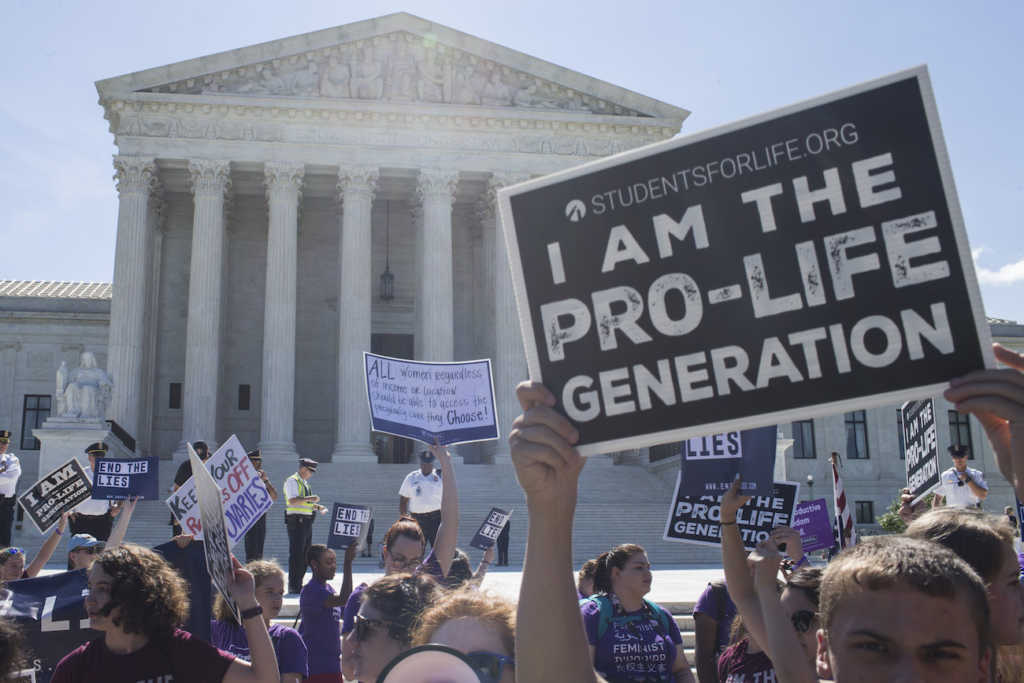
(661,613)
(604,618)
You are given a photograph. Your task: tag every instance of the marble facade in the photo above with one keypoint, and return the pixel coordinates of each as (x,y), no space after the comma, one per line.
(261,191)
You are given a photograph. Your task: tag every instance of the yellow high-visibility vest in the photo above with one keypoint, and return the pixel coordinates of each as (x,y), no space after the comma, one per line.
(304,491)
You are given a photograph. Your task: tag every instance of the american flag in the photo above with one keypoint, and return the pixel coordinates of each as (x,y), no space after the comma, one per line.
(845,529)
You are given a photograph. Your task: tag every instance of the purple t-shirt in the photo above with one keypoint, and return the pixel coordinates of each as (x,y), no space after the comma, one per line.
(320,628)
(736,665)
(634,647)
(352,609)
(288,645)
(710,604)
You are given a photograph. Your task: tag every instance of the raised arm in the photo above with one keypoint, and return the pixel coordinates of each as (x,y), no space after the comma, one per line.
(481,569)
(271,491)
(550,642)
(46,551)
(263,668)
(780,641)
(734,557)
(448,531)
(996,398)
(121,525)
(341,599)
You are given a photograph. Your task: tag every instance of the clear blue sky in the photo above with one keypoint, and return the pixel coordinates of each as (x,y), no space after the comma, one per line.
(722,61)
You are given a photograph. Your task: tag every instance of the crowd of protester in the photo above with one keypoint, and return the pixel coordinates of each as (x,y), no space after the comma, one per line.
(941,601)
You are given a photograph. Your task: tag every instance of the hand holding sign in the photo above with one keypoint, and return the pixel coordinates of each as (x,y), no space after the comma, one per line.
(547,466)
(996,398)
(732,501)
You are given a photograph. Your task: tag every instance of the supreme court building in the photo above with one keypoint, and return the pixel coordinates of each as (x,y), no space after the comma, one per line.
(264,192)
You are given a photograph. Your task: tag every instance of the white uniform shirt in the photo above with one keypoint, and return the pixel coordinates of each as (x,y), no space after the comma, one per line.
(423,491)
(92,507)
(960,496)
(9,477)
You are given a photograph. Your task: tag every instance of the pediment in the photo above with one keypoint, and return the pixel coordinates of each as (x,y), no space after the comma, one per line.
(398,58)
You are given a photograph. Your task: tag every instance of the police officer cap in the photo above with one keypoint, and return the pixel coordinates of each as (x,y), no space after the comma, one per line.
(98,449)
(308,463)
(958,451)
(255,455)
(426,456)
(5,436)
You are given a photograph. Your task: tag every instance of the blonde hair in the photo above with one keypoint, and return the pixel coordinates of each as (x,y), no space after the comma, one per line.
(469,604)
(977,537)
(261,570)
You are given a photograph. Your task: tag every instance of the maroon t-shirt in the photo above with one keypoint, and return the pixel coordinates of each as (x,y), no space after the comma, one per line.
(180,658)
(736,665)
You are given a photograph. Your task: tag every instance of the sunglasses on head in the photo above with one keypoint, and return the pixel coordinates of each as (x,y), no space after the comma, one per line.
(451,664)
(802,620)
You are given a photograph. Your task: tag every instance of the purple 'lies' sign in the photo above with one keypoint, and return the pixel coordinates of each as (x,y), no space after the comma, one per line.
(813,522)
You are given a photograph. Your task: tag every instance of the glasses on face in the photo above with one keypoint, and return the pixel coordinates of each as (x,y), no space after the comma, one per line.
(91,550)
(488,666)
(802,620)
(364,626)
(399,562)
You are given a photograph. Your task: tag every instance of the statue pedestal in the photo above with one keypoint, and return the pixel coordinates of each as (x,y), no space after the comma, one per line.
(63,438)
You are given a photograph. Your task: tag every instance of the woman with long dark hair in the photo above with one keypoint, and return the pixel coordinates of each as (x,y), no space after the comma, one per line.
(631,638)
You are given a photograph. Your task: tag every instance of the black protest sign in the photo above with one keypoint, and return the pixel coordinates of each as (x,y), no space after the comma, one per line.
(490,529)
(49,611)
(56,493)
(697,520)
(215,532)
(348,525)
(921,447)
(808,261)
(121,479)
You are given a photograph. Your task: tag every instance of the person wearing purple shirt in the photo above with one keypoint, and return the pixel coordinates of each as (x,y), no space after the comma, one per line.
(712,616)
(289,648)
(320,609)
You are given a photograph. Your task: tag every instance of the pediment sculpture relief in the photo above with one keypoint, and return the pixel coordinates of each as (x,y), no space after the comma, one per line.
(399,67)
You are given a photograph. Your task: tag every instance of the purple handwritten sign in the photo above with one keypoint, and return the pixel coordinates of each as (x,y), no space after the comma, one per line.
(813,522)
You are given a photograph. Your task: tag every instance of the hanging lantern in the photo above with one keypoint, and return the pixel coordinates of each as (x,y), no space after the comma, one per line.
(387,278)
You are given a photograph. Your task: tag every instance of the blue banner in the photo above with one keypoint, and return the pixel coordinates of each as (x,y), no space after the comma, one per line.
(118,479)
(710,463)
(50,613)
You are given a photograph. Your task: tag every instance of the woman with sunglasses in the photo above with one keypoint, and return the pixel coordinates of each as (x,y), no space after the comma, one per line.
(798,601)
(631,638)
(480,626)
(383,626)
(228,635)
(12,560)
(83,548)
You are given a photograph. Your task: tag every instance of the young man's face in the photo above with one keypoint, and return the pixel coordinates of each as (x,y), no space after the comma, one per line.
(902,634)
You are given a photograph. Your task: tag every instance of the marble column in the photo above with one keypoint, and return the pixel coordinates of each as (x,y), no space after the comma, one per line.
(509,356)
(211,180)
(136,181)
(277,420)
(356,186)
(436,334)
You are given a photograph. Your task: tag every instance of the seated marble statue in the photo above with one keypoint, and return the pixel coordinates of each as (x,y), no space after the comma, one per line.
(85,391)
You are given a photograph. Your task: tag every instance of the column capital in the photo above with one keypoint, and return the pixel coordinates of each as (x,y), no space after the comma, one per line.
(284,176)
(357,181)
(209,176)
(135,174)
(487,206)
(437,183)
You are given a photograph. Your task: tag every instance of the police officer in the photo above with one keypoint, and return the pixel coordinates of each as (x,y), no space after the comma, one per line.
(95,517)
(300,507)
(10,472)
(255,537)
(961,486)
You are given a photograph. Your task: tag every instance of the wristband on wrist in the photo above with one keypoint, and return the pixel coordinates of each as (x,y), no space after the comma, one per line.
(803,560)
(732,523)
(252,612)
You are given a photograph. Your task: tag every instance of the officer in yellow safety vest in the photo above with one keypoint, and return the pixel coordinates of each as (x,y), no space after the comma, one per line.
(300,507)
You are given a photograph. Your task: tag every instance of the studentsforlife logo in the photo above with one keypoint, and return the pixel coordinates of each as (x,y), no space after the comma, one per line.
(575,210)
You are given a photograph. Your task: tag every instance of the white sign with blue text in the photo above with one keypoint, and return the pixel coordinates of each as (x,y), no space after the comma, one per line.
(450,403)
